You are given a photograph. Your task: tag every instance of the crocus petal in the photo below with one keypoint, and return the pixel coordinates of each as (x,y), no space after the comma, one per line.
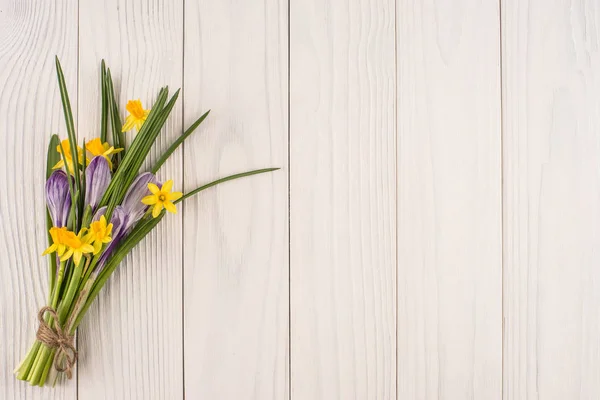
(132,202)
(58,198)
(97,176)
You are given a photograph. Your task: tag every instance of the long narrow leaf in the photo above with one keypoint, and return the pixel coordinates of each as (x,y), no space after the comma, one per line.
(227,178)
(104,116)
(115,118)
(136,235)
(53,156)
(64,95)
(177,142)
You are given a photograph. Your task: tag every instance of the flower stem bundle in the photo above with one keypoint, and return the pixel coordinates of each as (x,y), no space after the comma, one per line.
(99,206)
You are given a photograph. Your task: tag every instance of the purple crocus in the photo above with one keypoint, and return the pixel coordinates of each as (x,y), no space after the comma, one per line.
(119,220)
(132,202)
(58,198)
(97,177)
(125,216)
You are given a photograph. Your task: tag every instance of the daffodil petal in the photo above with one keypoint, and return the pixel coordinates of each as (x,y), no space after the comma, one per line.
(170,207)
(77,257)
(167,186)
(129,123)
(156,210)
(175,195)
(149,200)
(153,188)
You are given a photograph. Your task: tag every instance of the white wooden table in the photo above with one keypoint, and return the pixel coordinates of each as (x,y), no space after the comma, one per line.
(434,232)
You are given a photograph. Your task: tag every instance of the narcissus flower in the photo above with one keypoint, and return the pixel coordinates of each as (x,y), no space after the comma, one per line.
(137,115)
(97,148)
(99,234)
(77,246)
(162,198)
(59,241)
(66,146)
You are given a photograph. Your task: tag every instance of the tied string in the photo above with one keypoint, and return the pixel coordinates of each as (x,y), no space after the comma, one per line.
(57,338)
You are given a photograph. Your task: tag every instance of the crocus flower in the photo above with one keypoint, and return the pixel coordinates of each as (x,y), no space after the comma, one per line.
(137,115)
(58,198)
(97,148)
(132,202)
(97,176)
(119,222)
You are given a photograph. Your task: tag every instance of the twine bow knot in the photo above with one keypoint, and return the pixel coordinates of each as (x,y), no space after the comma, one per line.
(57,338)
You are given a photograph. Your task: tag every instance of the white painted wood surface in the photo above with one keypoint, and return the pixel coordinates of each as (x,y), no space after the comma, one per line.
(551,83)
(431,235)
(449,201)
(342,201)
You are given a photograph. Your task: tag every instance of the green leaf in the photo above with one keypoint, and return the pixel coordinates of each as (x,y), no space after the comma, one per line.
(64,95)
(53,156)
(136,235)
(177,142)
(103,124)
(227,178)
(118,139)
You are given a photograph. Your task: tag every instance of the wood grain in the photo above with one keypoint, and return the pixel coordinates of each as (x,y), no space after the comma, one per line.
(131,340)
(342,157)
(449,200)
(235,235)
(551,199)
(31,34)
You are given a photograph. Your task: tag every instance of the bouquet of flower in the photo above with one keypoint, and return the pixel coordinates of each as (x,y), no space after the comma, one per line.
(99,206)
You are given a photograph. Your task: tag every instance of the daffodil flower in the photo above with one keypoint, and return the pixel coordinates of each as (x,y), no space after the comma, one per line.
(59,242)
(77,246)
(162,198)
(97,148)
(99,234)
(66,146)
(137,115)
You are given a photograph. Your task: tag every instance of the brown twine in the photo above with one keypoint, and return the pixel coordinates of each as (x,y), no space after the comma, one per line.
(57,338)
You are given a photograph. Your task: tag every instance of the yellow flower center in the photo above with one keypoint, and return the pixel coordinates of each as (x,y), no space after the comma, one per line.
(95,147)
(135,108)
(98,230)
(162,197)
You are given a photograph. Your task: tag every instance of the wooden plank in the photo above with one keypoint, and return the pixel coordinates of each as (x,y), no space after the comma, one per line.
(551,100)
(449,200)
(131,341)
(343,192)
(235,235)
(30,111)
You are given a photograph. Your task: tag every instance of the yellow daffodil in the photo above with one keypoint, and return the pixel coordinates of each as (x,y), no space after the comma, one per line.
(77,246)
(66,146)
(99,234)
(137,115)
(97,148)
(59,244)
(162,198)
